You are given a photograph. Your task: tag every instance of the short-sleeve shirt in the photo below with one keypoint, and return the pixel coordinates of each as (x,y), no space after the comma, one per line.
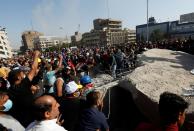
(11,123)
(92,119)
(50,78)
(46,125)
(55,86)
(22,98)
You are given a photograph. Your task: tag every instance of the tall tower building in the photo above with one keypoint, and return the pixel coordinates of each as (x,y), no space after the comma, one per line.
(28,39)
(5,49)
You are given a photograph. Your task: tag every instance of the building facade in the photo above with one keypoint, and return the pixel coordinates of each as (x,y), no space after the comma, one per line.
(5,49)
(108,32)
(159,29)
(130,36)
(76,38)
(94,38)
(28,39)
(185,18)
(44,42)
(180,29)
(110,24)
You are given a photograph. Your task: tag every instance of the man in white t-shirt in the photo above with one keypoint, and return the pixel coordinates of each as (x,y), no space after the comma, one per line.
(46,111)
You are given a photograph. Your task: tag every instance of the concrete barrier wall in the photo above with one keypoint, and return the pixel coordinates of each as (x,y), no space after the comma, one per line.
(128,107)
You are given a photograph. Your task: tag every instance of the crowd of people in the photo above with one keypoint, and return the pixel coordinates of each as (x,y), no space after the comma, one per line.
(54,91)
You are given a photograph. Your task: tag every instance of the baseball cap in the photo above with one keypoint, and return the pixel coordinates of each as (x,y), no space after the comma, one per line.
(2,72)
(71,87)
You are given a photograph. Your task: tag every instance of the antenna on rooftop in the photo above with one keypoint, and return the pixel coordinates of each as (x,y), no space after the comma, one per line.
(147,32)
(78,28)
(32,25)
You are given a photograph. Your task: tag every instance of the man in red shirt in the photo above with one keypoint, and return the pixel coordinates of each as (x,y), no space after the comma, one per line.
(172,114)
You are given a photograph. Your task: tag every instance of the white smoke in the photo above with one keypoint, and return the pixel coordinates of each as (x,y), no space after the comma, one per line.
(56,17)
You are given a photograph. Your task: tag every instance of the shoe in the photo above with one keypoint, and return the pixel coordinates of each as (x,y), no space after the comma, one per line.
(188,89)
(192,71)
(188,92)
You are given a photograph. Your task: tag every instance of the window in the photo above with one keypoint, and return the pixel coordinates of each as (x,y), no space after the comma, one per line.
(1,47)
(5,48)
(1,52)
(2,37)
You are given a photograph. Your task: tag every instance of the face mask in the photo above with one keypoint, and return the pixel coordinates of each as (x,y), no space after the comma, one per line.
(8,105)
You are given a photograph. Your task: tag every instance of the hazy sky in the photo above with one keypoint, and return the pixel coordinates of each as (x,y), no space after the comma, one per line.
(48,16)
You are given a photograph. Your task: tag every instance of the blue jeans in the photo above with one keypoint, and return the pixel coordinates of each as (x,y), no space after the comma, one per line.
(113,71)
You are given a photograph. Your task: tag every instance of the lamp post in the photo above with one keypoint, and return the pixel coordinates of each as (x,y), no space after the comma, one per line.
(147,22)
(108,29)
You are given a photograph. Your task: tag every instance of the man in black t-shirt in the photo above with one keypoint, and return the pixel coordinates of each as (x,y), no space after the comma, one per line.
(21,94)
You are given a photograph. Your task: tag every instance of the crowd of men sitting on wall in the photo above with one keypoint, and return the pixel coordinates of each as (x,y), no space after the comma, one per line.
(54,91)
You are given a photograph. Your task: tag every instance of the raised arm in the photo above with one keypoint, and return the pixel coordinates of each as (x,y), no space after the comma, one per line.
(34,66)
(60,63)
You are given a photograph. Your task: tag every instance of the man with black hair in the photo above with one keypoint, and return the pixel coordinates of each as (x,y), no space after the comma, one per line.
(92,119)
(20,92)
(172,111)
(46,112)
(172,114)
(3,84)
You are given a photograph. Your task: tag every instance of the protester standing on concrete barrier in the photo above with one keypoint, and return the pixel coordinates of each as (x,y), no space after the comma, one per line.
(112,64)
(172,114)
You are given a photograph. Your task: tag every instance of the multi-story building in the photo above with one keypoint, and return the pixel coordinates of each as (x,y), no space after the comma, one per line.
(28,39)
(75,39)
(94,38)
(43,42)
(130,36)
(187,18)
(110,24)
(182,29)
(161,28)
(5,49)
(107,32)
